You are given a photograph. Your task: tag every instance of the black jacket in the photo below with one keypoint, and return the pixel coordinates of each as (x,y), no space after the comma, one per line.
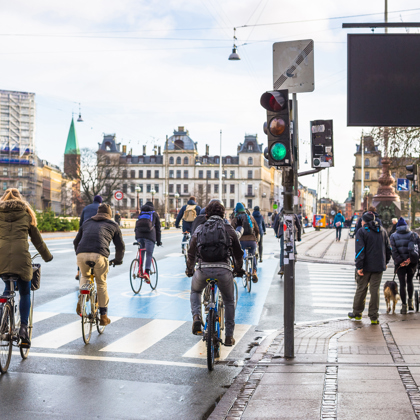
(399,243)
(373,250)
(359,222)
(260,222)
(96,234)
(88,212)
(155,234)
(393,229)
(186,226)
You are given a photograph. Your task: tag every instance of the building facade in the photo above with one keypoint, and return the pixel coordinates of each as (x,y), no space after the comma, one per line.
(307,201)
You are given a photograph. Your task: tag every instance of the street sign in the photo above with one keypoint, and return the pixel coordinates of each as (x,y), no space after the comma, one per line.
(275,206)
(298,193)
(119,195)
(293,66)
(332,212)
(402,184)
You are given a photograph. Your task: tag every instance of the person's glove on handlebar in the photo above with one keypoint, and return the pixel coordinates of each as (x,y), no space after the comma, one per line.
(189,273)
(159,243)
(239,273)
(114,262)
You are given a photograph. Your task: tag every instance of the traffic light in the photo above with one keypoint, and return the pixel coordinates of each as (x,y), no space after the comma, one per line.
(277,127)
(322,144)
(413,176)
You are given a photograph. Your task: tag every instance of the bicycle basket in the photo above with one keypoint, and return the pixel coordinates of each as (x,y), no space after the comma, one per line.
(36,277)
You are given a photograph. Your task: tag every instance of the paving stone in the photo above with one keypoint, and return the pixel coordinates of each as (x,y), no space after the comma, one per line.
(283,409)
(292,378)
(290,392)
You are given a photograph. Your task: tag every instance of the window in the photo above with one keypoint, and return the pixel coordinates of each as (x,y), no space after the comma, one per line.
(204,160)
(107,161)
(171,202)
(249,190)
(208,174)
(171,160)
(186,160)
(216,188)
(125,188)
(232,204)
(216,160)
(228,160)
(200,188)
(132,188)
(232,174)
(156,174)
(367,175)
(232,188)
(140,174)
(178,174)
(4,171)
(250,161)
(148,187)
(152,159)
(249,174)
(250,204)
(4,186)
(179,144)
(157,188)
(171,188)
(128,159)
(141,188)
(185,188)
(208,188)
(141,159)
(124,202)
(124,174)
(148,174)
(225,174)
(171,174)
(20,171)
(178,160)
(201,174)
(250,147)
(141,202)
(132,174)
(216,174)
(178,188)
(185,174)
(133,202)
(367,162)
(224,188)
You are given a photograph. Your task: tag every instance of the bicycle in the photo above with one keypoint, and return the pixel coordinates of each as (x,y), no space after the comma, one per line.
(249,269)
(185,245)
(10,321)
(137,274)
(89,306)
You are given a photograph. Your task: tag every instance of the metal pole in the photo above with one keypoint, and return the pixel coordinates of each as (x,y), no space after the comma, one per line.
(386,15)
(166,185)
(362,174)
(409,204)
(220,168)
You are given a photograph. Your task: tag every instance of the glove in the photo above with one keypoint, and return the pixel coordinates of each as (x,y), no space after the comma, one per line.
(114,262)
(159,244)
(239,273)
(188,273)
(239,221)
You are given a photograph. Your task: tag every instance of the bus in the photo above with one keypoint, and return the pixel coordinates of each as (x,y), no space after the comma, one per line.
(320,220)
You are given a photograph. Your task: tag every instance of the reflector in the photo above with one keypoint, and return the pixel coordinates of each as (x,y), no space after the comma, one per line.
(84,292)
(3,300)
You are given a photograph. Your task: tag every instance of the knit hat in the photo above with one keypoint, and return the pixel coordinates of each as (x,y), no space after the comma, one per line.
(368,217)
(256,208)
(401,222)
(239,208)
(97,198)
(105,208)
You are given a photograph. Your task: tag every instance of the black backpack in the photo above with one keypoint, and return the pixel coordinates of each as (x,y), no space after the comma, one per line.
(213,242)
(413,249)
(145,222)
(246,224)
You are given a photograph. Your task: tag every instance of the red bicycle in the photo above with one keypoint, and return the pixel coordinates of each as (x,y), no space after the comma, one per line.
(137,274)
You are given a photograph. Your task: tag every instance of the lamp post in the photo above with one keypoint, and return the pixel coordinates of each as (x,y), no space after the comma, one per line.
(366,192)
(153,192)
(176,202)
(138,189)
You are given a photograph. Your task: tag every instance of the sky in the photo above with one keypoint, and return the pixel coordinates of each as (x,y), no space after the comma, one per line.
(141,68)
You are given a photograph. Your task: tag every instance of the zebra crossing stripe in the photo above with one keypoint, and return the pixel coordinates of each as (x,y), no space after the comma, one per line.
(40,316)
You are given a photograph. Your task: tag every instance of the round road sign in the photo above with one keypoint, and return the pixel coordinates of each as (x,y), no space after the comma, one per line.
(119,195)
(275,206)
(332,212)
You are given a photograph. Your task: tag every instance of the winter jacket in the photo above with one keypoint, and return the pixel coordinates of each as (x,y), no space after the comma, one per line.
(236,250)
(260,221)
(155,234)
(399,243)
(117,218)
(373,250)
(339,218)
(199,220)
(186,226)
(15,226)
(88,212)
(359,222)
(96,234)
(279,227)
(255,230)
(393,229)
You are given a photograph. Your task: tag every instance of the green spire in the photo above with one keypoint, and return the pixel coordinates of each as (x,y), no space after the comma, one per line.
(72,146)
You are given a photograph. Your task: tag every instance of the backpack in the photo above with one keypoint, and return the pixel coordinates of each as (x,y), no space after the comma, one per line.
(145,222)
(190,213)
(213,242)
(246,224)
(413,250)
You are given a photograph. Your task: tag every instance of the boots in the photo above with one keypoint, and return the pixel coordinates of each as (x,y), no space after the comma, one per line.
(24,337)
(404,309)
(410,305)
(104,320)
(196,327)
(229,341)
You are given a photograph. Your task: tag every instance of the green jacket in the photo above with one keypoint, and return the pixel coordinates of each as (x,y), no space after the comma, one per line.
(15,226)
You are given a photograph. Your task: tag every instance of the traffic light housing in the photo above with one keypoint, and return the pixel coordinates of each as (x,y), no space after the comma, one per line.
(413,177)
(277,128)
(322,145)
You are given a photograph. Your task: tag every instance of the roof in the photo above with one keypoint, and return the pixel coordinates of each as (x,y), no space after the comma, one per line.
(250,145)
(109,144)
(72,145)
(181,141)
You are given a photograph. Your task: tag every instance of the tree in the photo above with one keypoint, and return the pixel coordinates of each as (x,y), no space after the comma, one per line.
(400,141)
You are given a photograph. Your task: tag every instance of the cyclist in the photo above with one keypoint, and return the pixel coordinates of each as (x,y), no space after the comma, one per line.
(251,233)
(212,245)
(17,221)
(148,234)
(187,214)
(261,227)
(92,244)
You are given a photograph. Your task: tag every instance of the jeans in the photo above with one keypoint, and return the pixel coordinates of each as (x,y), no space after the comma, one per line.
(260,247)
(338,232)
(282,251)
(25,298)
(405,276)
(373,280)
(253,246)
(150,247)
(225,285)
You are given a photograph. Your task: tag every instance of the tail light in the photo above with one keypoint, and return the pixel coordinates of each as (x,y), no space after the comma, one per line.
(84,292)
(3,300)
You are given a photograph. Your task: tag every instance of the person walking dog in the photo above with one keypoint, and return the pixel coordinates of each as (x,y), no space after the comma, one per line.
(373,253)
(338,223)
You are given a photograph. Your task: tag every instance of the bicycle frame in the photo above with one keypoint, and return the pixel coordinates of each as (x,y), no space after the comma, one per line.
(140,259)
(213,305)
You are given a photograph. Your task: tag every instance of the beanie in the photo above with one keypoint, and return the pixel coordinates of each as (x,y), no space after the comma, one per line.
(368,217)
(239,208)
(105,208)
(256,208)
(401,222)
(97,198)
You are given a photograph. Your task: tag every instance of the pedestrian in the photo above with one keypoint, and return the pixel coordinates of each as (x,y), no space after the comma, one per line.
(373,253)
(261,226)
(338,223)
(404,267)
(394,221)
(371,209)
(117,218)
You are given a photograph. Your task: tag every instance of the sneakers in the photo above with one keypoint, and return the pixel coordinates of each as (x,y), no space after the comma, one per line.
(146,278)
(374,322)
(104,320)
(77,277)
(281,271)
(404,309)
(410,305)
(24,337)
(196,327)
(357,317)
(229,341)
(254,276)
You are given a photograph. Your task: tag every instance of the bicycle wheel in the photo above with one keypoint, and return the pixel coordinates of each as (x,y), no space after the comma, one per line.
(248,281)
(24,352)
(246,270)
(87,319)
(221,313)
(5,338)
(153,274)
(99,327)
(416,300)
(235,292)
(135,279)
(205,297)
(210,339)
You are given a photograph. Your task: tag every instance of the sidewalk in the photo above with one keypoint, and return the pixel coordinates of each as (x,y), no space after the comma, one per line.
(342,370)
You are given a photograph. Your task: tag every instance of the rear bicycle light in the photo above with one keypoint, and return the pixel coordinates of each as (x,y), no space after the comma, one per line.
(84,292)
(3,300)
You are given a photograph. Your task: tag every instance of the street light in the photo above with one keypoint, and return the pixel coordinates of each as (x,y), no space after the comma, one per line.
(234,56)
(176,202)
(138,189)
(153,192)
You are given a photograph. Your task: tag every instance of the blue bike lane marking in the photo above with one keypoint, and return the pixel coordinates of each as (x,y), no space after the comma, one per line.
(171,300)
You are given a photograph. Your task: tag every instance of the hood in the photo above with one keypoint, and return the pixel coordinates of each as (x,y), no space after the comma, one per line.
(256,213)
(373,226)
(100,217)
(203,210)
(146,208)
(403,229)
(13,210)
(191,202)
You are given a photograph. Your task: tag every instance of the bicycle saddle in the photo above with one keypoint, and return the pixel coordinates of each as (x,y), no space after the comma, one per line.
(136,243)
(91,264)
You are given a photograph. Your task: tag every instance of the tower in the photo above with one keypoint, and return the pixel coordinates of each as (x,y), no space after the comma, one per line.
(72,154)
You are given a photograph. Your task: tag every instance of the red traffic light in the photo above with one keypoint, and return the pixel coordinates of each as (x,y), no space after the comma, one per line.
(275,100)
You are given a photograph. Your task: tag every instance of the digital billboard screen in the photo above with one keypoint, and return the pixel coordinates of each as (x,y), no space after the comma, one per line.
(383,80)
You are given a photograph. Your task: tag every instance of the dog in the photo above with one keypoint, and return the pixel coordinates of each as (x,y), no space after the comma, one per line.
(391,294)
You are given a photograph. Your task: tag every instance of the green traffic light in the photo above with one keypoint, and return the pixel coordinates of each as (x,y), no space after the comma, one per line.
(278,151)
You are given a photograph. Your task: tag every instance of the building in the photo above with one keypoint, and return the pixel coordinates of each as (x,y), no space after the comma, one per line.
(48,187)
(17,145)
(307,201)
(169,179)
(348,211)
